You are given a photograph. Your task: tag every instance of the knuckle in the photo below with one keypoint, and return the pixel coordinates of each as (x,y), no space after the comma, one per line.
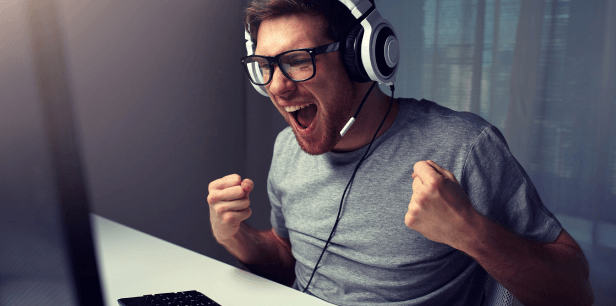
(219,209)
(242,204)
(417,201)
(234,178)
(211,199)
(409,219)
(232,194)
(231,218)
(239,192)
(435,183)
(413,209)
(245,203)
(227,218)
(431,185)
(417,164)
(416,185)
(248,213)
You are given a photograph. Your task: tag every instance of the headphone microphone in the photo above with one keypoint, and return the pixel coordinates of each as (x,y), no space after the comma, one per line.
(347,126)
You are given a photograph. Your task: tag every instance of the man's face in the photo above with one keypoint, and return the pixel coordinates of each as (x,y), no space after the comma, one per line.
(327,99)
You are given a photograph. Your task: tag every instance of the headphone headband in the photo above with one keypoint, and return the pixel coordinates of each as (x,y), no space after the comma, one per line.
(357,7)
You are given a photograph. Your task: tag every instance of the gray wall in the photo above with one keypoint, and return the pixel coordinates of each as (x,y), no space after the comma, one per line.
(159,101)
(264,122)
(161,106)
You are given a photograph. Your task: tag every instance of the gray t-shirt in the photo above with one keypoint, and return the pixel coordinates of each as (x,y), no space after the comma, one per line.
(374,258)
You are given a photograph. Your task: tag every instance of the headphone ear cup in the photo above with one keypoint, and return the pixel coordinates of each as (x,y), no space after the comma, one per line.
(386,52)
(352,55)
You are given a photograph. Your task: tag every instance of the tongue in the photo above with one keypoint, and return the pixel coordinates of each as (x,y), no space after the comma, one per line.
(306,115)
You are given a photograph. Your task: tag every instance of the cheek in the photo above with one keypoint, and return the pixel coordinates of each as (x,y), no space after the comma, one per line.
(333,88)
(333,83)
(332,69)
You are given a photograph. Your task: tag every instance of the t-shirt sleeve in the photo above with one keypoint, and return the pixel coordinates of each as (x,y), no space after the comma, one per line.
(500,189)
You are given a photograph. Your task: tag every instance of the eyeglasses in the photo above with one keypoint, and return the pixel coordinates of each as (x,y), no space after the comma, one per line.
(297,65)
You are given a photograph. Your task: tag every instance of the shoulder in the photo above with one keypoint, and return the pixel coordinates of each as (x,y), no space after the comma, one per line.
(436,117)
(426,130)
(432,124)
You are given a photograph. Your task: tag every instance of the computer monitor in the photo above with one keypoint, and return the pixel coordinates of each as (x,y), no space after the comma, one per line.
(46,250)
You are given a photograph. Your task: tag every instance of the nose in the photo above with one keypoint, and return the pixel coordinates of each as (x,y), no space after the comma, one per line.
(280,84)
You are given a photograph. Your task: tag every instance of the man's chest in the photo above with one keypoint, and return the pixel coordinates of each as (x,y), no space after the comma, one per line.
(371,227)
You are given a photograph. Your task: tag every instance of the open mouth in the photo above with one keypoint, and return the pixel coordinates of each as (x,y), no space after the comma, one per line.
(303,114)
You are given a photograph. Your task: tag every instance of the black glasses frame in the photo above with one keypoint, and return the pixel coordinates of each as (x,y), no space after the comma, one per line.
(275,60)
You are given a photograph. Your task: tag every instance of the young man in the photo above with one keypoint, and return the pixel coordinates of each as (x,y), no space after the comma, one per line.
(438,202)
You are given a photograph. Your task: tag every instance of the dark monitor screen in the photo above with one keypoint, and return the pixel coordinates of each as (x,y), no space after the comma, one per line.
(46,249)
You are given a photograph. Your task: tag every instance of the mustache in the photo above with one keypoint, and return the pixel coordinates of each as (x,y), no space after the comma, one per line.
(295,95)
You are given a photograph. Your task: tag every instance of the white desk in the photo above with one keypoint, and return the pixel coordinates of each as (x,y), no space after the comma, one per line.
(132,263)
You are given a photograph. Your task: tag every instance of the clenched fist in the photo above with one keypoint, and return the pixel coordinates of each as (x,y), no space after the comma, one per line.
(439,209)
(229,205)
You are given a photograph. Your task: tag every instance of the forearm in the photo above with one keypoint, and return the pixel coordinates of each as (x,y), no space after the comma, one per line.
(262,253)
(536,274)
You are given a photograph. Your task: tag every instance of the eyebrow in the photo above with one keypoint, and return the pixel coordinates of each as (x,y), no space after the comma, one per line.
(289,49)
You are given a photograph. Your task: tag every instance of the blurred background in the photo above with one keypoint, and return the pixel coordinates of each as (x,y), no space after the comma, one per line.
(162,106)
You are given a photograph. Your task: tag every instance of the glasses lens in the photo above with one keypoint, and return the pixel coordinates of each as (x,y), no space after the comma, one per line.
(298,65)
(258,70)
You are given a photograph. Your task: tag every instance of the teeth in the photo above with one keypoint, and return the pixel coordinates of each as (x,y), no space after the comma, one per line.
(293,108)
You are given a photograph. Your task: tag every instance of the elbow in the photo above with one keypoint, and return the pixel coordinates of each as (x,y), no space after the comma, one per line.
(589,295)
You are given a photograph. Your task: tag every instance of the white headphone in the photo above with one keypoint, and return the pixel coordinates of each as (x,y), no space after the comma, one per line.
(370,51)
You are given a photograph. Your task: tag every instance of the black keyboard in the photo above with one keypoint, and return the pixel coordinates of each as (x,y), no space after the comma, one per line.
(184,298)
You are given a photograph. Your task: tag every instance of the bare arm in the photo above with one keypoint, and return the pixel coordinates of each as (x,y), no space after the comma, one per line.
(535,273)
(262,252)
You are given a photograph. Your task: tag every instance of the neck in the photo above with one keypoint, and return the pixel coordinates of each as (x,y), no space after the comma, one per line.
(368,120)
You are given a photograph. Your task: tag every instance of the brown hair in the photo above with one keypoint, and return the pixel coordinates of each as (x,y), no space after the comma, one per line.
(339,20)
